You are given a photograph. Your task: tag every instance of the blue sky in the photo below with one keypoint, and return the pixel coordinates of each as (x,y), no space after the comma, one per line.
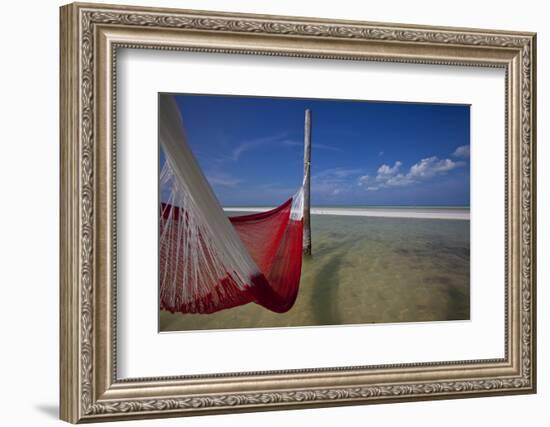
(363,153)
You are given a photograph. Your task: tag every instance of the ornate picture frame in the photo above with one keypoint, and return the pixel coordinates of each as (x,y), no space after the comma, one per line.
(91,34)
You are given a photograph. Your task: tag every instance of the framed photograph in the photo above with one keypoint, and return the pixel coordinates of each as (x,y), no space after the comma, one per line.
(267,212)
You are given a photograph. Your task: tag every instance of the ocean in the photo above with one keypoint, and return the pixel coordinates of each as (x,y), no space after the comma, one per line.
(367,269)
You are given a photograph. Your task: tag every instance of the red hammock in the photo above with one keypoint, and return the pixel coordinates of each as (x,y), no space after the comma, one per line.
(273,240)
(208,263)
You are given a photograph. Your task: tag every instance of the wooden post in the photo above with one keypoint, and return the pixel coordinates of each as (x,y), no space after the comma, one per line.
(307,184)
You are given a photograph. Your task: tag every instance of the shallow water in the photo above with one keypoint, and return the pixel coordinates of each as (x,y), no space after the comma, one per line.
(366,270)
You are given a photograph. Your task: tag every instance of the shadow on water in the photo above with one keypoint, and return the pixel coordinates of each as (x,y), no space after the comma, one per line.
(325,295)
(324,249)
(459,306)
(431,250)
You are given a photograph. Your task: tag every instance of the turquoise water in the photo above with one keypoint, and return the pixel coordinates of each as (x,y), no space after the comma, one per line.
(366,270)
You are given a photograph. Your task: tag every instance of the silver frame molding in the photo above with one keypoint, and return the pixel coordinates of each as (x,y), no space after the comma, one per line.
(90,37)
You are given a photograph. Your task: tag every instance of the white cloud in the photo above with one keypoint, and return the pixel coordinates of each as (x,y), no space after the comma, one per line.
(333,181)
(399,180)
(363,180)
(281,138)
(224,180)
(385,171)
(251,144)
(431,166)
(336,173)
(462,151)
(315,146)
(390,176)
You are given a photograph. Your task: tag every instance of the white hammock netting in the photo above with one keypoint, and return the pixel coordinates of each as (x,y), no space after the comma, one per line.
(209,262)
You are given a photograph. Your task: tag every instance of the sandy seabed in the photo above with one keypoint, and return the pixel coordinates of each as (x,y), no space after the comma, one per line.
(365,270)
